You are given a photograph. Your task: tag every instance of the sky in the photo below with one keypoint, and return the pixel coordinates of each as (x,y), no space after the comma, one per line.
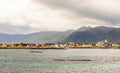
(28,16)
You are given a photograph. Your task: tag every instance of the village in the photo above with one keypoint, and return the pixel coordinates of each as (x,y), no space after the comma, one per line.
(71,45)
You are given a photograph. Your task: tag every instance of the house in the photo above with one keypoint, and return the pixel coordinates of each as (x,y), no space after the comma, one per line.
(103,44)
(4,45)
(71,44)
(116,45)
(86,45)
(78,45)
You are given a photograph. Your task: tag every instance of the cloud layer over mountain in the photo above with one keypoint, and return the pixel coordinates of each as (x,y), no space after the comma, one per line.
(24,16)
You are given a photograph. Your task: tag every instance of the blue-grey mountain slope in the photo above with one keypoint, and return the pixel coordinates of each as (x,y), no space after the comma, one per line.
(93,35)
(82,35)
(39,37)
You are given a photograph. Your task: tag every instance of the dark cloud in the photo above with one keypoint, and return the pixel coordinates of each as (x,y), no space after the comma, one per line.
(42,15)
(107,10)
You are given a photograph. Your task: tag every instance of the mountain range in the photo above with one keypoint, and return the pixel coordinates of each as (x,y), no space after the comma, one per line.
(38,37)
(94,35)
(81,35)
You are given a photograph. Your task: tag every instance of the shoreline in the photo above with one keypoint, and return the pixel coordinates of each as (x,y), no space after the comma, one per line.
(59,48)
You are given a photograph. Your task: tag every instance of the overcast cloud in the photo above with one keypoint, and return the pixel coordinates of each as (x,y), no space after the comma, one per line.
(25,16)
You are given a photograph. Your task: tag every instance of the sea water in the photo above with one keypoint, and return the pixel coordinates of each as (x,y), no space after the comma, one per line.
(60,61)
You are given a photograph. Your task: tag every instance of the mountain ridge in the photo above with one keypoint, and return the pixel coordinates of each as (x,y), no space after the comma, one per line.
(37,37)
(95,35)
(81,35)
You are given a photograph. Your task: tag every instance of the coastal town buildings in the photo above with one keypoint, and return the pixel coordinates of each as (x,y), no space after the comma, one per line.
(82,45)
(116,45)
(101,44)
(71,44)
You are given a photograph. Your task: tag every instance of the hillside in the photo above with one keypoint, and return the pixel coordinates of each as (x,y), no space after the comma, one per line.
(93,35)
(81,35)
(39,37)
